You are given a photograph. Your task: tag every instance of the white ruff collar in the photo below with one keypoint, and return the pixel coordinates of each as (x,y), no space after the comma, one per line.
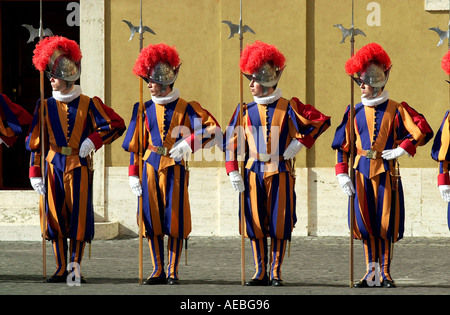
(269,99)
(67,98)
(169,98)
(376,100)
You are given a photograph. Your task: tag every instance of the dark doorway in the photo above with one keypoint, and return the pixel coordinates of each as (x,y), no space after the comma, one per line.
(19,80)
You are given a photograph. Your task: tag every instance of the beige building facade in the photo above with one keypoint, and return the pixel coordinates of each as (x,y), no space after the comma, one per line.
(304,31)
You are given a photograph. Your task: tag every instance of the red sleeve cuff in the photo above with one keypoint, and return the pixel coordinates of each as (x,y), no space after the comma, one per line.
(97,140)
(231,166)
(409,147)
(34,171)
(341,168)
(193,142)
(133,170)
(443,179)
(307,141)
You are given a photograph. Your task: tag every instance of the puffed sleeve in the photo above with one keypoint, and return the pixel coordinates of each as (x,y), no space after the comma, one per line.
(13,118)
(231,143)
(413,129)
(341,143)
(107,124)
(204,127)
(131,141)
(306,122)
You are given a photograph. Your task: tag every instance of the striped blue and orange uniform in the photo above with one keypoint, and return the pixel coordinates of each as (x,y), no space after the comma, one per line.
(379,217)
(13,118)
(440,152)
(165,198)
(270,198)
(68,202)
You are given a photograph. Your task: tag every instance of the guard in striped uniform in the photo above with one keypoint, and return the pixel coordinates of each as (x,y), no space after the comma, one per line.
(275,130)
(12,120)
(75,126)
(385,130)
(440,151)
(173,128)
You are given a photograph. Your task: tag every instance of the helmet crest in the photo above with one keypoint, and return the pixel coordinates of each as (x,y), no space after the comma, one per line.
(45,49)
(156,56)
(254,56)
(263,63)
(445,63)
(370,53)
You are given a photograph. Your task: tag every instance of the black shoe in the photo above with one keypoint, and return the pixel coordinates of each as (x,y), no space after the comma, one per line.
(57,279)
(172,281)
(276,283)
(388,284)
(257,282)
(155,280)
(361,284)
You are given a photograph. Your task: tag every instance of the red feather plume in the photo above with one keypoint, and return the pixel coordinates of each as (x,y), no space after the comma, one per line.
(255,55)
(370,52)
(153,54)
(445,63)
(46,47)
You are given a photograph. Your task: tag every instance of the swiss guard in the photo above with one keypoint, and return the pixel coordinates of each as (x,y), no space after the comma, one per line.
(75,126)
(275,130)
(440,151)
(173,129)
(385,130)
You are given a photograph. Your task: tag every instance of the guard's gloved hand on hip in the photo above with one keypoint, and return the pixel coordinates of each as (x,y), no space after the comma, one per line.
(236,181)
(38,185)
(346,184)
(445,192)
(135,185)
(179,150)
(393,153)
(293,148)
(86,147)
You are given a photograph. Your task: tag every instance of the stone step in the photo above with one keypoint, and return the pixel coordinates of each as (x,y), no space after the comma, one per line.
(19,218)
(32,232)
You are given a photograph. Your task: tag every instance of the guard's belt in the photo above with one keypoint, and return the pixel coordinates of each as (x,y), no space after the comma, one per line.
(64,150)
(163,151)
(370,154)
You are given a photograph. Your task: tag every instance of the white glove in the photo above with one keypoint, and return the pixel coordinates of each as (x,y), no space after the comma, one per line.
(445,192)
(179,150)
(38,185)
(86,147)
(236,181)
(293,148)
(346,184)
(135,185)
(393,153)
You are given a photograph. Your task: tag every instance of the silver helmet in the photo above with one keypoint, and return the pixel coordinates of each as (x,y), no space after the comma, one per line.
(374,75)
(267,75)
(163,74)
(61,66)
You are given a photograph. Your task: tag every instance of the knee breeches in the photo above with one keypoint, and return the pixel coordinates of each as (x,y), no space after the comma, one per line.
(69,205)
(269,205)
(165,201)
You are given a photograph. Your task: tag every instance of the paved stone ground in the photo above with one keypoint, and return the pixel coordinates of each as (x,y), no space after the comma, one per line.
(316,266)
